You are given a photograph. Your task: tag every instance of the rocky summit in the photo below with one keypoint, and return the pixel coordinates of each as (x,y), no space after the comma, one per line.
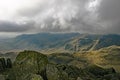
(32,65)
(28,66)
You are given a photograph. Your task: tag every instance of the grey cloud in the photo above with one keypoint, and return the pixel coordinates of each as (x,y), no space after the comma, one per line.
(7,26)
(55,15)
(109,14)
(110,9)
(57,5)
(61,12)
(68,16)
(64,16)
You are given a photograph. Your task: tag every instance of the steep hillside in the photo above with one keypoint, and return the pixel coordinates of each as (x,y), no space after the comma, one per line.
(108,40)
(92,42)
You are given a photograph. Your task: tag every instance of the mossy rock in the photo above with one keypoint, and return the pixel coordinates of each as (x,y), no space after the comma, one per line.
(2,77)
(29,62)
(36,77)
(99,71)
(53,73)
(111,77)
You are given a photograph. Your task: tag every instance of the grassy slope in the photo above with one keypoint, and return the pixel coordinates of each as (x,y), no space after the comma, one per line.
(105,57)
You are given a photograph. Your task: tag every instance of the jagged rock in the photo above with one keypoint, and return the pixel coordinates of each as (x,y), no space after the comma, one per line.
(2,77)
(31,65)
(111,77)
(2,64)
(28,62)
(99,71)
(1,67)
(36,77)
(62,72)
(72,71)
(8,63)
(79,78)
(52,72)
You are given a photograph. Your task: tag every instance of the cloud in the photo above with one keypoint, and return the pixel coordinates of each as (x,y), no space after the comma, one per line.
(56,15)
(109,14)
(84,16)
(65,16)
(109,9)
(6,26)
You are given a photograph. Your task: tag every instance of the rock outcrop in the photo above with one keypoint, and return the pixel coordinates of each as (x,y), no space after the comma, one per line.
(31,65)
(28,63)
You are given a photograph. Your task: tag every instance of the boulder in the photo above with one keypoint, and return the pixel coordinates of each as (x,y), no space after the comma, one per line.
(53,73)
(28,62)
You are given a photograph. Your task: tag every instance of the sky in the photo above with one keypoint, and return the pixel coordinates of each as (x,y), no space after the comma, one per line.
(34,16)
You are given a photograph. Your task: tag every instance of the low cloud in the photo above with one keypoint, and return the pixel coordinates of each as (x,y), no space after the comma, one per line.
(6,26)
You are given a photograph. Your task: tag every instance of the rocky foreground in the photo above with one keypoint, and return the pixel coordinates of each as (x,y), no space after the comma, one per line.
(31,65)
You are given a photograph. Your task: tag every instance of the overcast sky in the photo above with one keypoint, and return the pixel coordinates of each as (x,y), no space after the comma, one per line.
(84,16)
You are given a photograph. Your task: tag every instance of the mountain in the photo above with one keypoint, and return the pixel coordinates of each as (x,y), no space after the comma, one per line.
(63,41)
(36,41)
(93,42)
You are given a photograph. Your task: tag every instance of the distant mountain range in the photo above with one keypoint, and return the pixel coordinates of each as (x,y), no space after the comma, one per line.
(67,41)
